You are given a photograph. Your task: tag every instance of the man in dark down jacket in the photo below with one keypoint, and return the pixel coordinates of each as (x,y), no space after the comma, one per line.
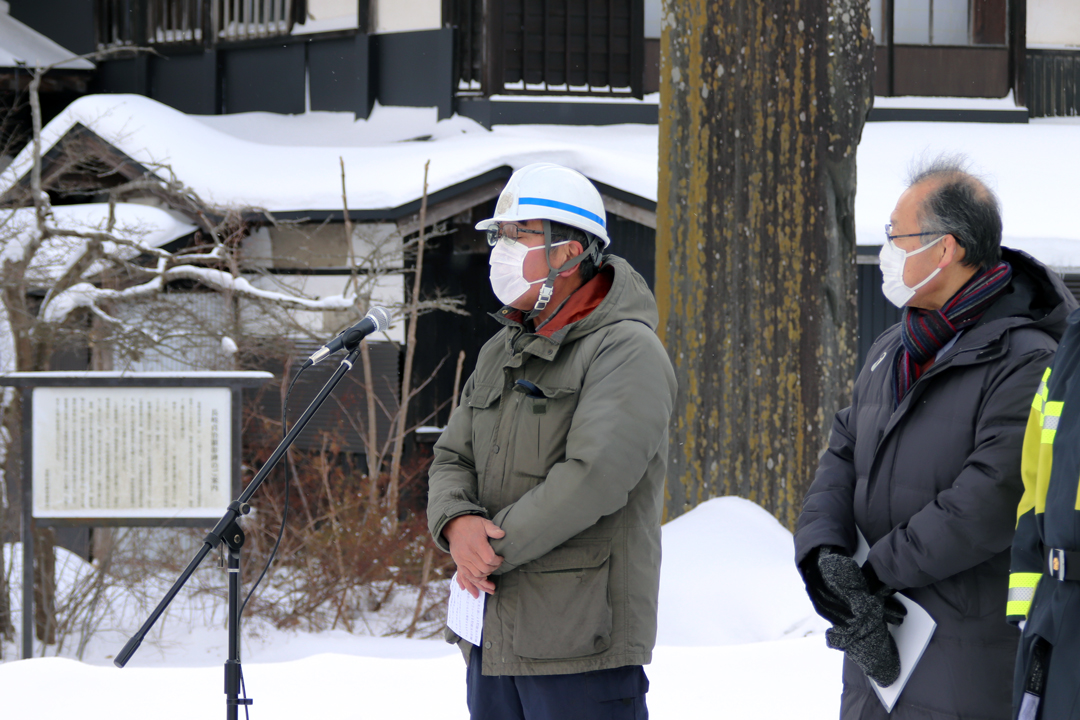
(926,460)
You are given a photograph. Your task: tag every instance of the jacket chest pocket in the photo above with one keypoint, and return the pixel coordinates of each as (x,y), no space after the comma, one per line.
(484,401)
(544,420)
(563,608)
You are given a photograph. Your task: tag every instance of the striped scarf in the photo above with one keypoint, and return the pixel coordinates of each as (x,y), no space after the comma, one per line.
(925,332)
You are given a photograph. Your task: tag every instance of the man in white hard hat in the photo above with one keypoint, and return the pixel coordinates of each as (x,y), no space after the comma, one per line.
(547,484)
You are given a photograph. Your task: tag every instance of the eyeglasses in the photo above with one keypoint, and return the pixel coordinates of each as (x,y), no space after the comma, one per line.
(889,237)
(508,231)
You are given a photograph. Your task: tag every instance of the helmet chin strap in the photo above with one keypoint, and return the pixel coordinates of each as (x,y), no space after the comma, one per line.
(548,288)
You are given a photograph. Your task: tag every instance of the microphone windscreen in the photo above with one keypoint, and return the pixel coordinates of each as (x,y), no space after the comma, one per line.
(381,316)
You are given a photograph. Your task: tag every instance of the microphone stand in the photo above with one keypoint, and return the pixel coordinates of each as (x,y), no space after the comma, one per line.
(228,531)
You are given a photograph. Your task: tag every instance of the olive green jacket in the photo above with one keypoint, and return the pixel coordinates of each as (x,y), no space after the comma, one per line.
(574,474)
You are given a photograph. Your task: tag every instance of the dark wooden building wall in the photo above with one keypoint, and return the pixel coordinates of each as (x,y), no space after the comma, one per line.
(67,22)
(652,66)
(186,81)
(635,243)
(415,69)
(271,78)
(454,265)
(339,71)
(947,71)
(343,412)
(876,313)
(347,71)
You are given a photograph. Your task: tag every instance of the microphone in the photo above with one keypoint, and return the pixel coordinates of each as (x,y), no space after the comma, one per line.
(377,320)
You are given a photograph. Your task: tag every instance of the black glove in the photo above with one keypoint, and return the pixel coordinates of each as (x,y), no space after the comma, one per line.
(826,602)
(865,638)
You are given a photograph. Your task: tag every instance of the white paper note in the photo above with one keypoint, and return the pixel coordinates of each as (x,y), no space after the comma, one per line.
(911,637)
(465,614)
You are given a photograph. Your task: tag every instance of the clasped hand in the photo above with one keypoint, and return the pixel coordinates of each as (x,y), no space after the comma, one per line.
(470,546)
(860,607)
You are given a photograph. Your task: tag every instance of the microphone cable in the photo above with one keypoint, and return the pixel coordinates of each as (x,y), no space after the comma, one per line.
(285,512)
(281,530)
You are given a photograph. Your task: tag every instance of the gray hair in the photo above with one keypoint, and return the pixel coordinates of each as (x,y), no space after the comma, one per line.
(960,204)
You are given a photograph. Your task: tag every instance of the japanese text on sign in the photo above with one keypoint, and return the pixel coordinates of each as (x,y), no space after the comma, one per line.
(131,451)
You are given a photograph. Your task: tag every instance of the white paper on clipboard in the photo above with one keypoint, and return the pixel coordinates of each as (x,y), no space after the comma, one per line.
(911,637)
(465,614)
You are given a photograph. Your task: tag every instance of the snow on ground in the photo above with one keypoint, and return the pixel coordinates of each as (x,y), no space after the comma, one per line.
(727,563)
(701,593)
(945,103)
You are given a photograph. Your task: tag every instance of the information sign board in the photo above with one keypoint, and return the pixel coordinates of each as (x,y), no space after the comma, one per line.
(131,452)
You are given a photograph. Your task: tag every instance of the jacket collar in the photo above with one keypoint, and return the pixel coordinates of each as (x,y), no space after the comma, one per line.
(618,293)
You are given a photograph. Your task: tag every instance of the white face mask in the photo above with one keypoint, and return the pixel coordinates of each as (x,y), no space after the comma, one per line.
(506,271)
(892,261)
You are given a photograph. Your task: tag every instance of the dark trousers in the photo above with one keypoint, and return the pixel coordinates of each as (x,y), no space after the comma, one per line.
(615,694)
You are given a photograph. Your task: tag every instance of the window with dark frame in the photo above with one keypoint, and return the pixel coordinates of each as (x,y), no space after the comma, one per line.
(564,47)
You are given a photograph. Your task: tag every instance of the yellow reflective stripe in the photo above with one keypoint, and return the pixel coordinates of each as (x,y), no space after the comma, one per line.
(1051,416)
(1052,408)
(1031,463)
(1017,608)
(1021,593)
(1023,580)
(1040,398)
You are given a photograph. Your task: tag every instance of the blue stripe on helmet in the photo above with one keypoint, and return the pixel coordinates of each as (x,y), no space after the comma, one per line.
(564,206)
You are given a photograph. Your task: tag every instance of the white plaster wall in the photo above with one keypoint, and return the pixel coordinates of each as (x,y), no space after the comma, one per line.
(406,15)
(1053,22)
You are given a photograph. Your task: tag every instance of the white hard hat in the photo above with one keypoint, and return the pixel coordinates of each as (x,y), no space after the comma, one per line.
(546,191)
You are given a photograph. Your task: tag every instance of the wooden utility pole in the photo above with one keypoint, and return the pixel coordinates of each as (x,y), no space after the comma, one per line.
(761,110)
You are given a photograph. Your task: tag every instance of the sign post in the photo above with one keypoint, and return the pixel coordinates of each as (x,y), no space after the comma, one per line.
(125,449)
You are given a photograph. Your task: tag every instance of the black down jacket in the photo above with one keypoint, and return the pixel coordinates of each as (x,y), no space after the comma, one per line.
(933,484)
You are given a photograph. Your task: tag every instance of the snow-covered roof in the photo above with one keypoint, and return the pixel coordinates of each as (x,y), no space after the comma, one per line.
(22,45)
(292,163)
